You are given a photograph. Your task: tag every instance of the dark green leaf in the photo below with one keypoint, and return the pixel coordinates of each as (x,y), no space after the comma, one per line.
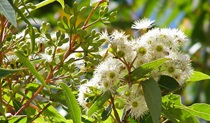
(7,10)
(167,84)
(5,72)
(99,102)
(73,107)
(152,96)
(146,118)
(17,105)
(105,114)
(30,67)
(198,76)
(2,111)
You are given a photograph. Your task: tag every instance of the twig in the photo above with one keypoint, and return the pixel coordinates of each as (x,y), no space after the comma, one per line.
(115,111)
(36,93)
(41,111)
(72,42)
(165,121)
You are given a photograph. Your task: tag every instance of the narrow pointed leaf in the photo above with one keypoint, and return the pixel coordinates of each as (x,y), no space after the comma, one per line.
(17,105)
(99,102)
(31,30)
(5,72)
(107,111)
(7,10)
(152,96)
(62,3)
(2,111)
(73,107)
(146,68)
(95,2)
(198,76)
(54,115)
(30,67)
(46,2)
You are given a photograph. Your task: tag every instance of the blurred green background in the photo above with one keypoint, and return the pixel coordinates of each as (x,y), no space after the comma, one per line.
(191,16)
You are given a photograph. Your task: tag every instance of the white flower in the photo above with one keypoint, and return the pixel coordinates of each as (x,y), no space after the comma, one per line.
(10,58)
(47,57)
(134,100)
(107,73)
(104,35)
(64,46)
(121,46)
(179,67)
(137,105)
(178,36)
(143,24)
(40,39)
(143,52)
(82,99)
(118,36)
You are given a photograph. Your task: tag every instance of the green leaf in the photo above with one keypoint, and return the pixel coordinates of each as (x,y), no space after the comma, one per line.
(31,30)
(73,107)
(59,96)
(46,2)
(95,2)
(31,68)
(62,3)
(99,102)
(146,68)
(146,118)
(17,105)
(18,119)
(173,109)
(152,96)
(167,84)
(198,76)
(7,10)
(201,110)
(178,115)
(5,72)
(54,115)
(105,114)
(2,111)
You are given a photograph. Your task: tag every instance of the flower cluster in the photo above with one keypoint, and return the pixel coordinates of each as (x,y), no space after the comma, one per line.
(126,54)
